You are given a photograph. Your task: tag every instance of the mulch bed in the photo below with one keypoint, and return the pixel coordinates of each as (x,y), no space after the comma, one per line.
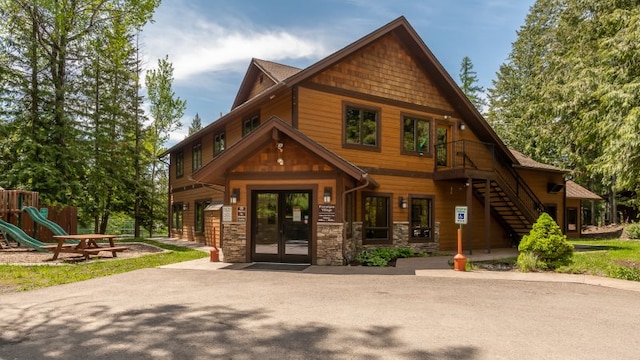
(25,256)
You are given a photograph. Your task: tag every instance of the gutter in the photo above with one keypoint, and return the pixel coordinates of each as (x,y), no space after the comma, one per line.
(365,177)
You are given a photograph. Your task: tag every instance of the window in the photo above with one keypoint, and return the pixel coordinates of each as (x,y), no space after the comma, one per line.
(250,124)
(572,219)
(376,219)
(420,219)
(199,215)
(416,135)
(196,157)
(218,143)
(361,127)
(176,218)
(442,138)
(179,164)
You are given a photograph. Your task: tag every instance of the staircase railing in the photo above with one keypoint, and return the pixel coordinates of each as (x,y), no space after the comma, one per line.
(476,155)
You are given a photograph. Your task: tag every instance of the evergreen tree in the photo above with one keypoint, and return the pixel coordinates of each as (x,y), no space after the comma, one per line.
(196,125)
(166,111)
(469,84)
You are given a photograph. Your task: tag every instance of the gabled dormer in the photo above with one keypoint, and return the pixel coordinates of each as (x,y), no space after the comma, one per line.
(260,76)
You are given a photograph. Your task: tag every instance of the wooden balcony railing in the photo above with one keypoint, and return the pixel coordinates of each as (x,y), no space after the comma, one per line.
(471,157)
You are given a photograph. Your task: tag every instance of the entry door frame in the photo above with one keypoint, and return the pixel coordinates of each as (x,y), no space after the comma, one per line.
(313,188)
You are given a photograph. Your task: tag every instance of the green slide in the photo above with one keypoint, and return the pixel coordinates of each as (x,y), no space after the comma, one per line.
(41,220)
(18,235)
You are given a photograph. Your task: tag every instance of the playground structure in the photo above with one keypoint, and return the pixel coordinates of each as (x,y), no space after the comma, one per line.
(21,216)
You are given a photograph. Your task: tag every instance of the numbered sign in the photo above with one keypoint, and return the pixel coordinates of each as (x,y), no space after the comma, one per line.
(461,215)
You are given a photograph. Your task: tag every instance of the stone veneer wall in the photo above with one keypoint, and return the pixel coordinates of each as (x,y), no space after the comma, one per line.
(401,238)
(329,243)
(234,242)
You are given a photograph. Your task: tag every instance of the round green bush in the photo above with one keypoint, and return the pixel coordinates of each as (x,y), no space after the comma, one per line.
(547,242)
(633,231)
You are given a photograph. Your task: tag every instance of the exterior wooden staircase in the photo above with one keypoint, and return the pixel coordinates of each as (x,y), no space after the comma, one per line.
(512,202)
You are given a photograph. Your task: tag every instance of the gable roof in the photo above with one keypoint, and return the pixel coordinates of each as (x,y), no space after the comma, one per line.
(277,73)
(405,32)
(215,169)
(527,162)
(575,191)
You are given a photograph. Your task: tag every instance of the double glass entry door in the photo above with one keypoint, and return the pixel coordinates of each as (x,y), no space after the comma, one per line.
(281,226)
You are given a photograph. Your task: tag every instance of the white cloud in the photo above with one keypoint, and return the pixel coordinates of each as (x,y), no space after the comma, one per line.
(199,45)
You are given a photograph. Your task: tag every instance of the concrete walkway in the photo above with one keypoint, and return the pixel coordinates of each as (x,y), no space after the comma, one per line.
(429,266)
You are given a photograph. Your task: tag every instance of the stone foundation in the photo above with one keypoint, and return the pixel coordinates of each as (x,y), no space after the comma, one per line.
(234,242)
(401,239)
(329,244)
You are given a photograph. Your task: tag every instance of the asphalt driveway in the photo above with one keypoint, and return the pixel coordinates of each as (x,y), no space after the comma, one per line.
(166,313)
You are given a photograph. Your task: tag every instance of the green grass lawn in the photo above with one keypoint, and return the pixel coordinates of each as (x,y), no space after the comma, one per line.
(38,276)
(618,259)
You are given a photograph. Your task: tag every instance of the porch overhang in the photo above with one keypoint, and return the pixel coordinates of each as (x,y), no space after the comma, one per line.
(215,171)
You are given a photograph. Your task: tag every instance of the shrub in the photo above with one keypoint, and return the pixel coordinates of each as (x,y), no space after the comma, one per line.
(382,256)
(633,231)
(527,262)
(546,241)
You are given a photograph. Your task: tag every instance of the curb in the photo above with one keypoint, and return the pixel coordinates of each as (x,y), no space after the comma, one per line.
(533,277)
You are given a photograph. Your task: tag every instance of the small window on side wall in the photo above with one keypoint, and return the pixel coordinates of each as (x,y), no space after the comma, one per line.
(179,164)
(218,143)
(250,124)
(420,218)
(196,157)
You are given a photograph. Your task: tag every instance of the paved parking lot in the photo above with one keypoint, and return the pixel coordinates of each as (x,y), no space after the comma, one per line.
(168,313)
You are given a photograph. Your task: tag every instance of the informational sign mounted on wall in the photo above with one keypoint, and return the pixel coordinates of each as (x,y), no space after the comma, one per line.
(227,213)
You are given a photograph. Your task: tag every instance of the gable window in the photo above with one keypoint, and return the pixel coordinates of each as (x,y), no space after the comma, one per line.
(420,219)
(199,215)
(250,124)
(218,143)
(416,135)
(361,127)
(176,216)
(196,157)
(179,164)
(376,219)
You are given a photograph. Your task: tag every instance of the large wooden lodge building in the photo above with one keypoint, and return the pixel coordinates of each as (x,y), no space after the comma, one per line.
(374,145)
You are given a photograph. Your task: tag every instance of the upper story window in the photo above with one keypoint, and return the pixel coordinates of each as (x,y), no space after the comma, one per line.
(361,127)
(179,164)
(196,157)
(416,135)
(250,124)
(218,143)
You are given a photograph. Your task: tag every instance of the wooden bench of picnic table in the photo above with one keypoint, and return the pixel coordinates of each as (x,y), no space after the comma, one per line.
(113,249)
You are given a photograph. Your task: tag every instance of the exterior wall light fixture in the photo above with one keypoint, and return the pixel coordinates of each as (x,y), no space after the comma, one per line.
(402,202)
(235,196)
(185,206)
(328,192)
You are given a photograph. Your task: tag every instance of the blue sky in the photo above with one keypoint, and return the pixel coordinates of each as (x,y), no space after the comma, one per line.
(211,42)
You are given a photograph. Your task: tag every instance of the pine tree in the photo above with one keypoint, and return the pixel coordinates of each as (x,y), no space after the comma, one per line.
(469,84)
(196,125)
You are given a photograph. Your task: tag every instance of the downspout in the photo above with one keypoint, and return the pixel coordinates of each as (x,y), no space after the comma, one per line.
(365,177)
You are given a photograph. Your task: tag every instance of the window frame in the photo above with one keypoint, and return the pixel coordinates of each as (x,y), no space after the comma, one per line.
(179,160)
(198,215)
(389,209)
(219,138)
(196,161)
(254,123)
(177,213)
(577,219)
(426,151)
(421,239)
(345,107)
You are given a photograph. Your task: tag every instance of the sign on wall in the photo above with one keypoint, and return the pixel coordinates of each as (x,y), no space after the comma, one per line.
(242,213)
(326,213)
(227,214)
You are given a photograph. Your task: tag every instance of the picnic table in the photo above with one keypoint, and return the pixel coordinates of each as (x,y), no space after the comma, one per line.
(87,245)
